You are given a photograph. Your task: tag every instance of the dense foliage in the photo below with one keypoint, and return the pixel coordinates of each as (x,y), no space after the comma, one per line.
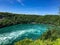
(51,37)
(38,42)
(7,19)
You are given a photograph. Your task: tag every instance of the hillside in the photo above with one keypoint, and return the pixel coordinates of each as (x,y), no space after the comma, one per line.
(7,19)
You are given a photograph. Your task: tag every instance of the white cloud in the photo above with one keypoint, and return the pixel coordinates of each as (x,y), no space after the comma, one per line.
(21,2)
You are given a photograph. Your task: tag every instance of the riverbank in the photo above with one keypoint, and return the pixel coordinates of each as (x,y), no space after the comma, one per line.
(51,37)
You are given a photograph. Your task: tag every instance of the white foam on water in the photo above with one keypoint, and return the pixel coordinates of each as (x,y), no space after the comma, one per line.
(7,38)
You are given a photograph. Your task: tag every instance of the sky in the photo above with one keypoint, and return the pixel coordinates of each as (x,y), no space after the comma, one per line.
(40,7)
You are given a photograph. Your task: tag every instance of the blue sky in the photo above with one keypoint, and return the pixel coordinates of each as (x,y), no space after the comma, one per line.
(30,6)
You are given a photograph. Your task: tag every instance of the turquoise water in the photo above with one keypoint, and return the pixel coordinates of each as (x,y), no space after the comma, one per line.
(21,31)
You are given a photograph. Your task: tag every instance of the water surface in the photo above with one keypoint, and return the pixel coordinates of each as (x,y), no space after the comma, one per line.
(21,31)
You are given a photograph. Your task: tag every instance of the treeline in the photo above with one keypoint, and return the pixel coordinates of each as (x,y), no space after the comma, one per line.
(51,37)
(7,19)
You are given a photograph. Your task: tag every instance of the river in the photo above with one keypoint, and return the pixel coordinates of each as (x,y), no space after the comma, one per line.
(21,31)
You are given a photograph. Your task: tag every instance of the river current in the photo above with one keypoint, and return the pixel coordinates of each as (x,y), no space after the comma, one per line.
(21,31)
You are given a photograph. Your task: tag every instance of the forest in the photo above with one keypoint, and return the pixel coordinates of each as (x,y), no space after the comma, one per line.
(7,19)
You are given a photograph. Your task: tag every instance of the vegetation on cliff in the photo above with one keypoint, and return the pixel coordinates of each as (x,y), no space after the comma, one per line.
(7,19)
